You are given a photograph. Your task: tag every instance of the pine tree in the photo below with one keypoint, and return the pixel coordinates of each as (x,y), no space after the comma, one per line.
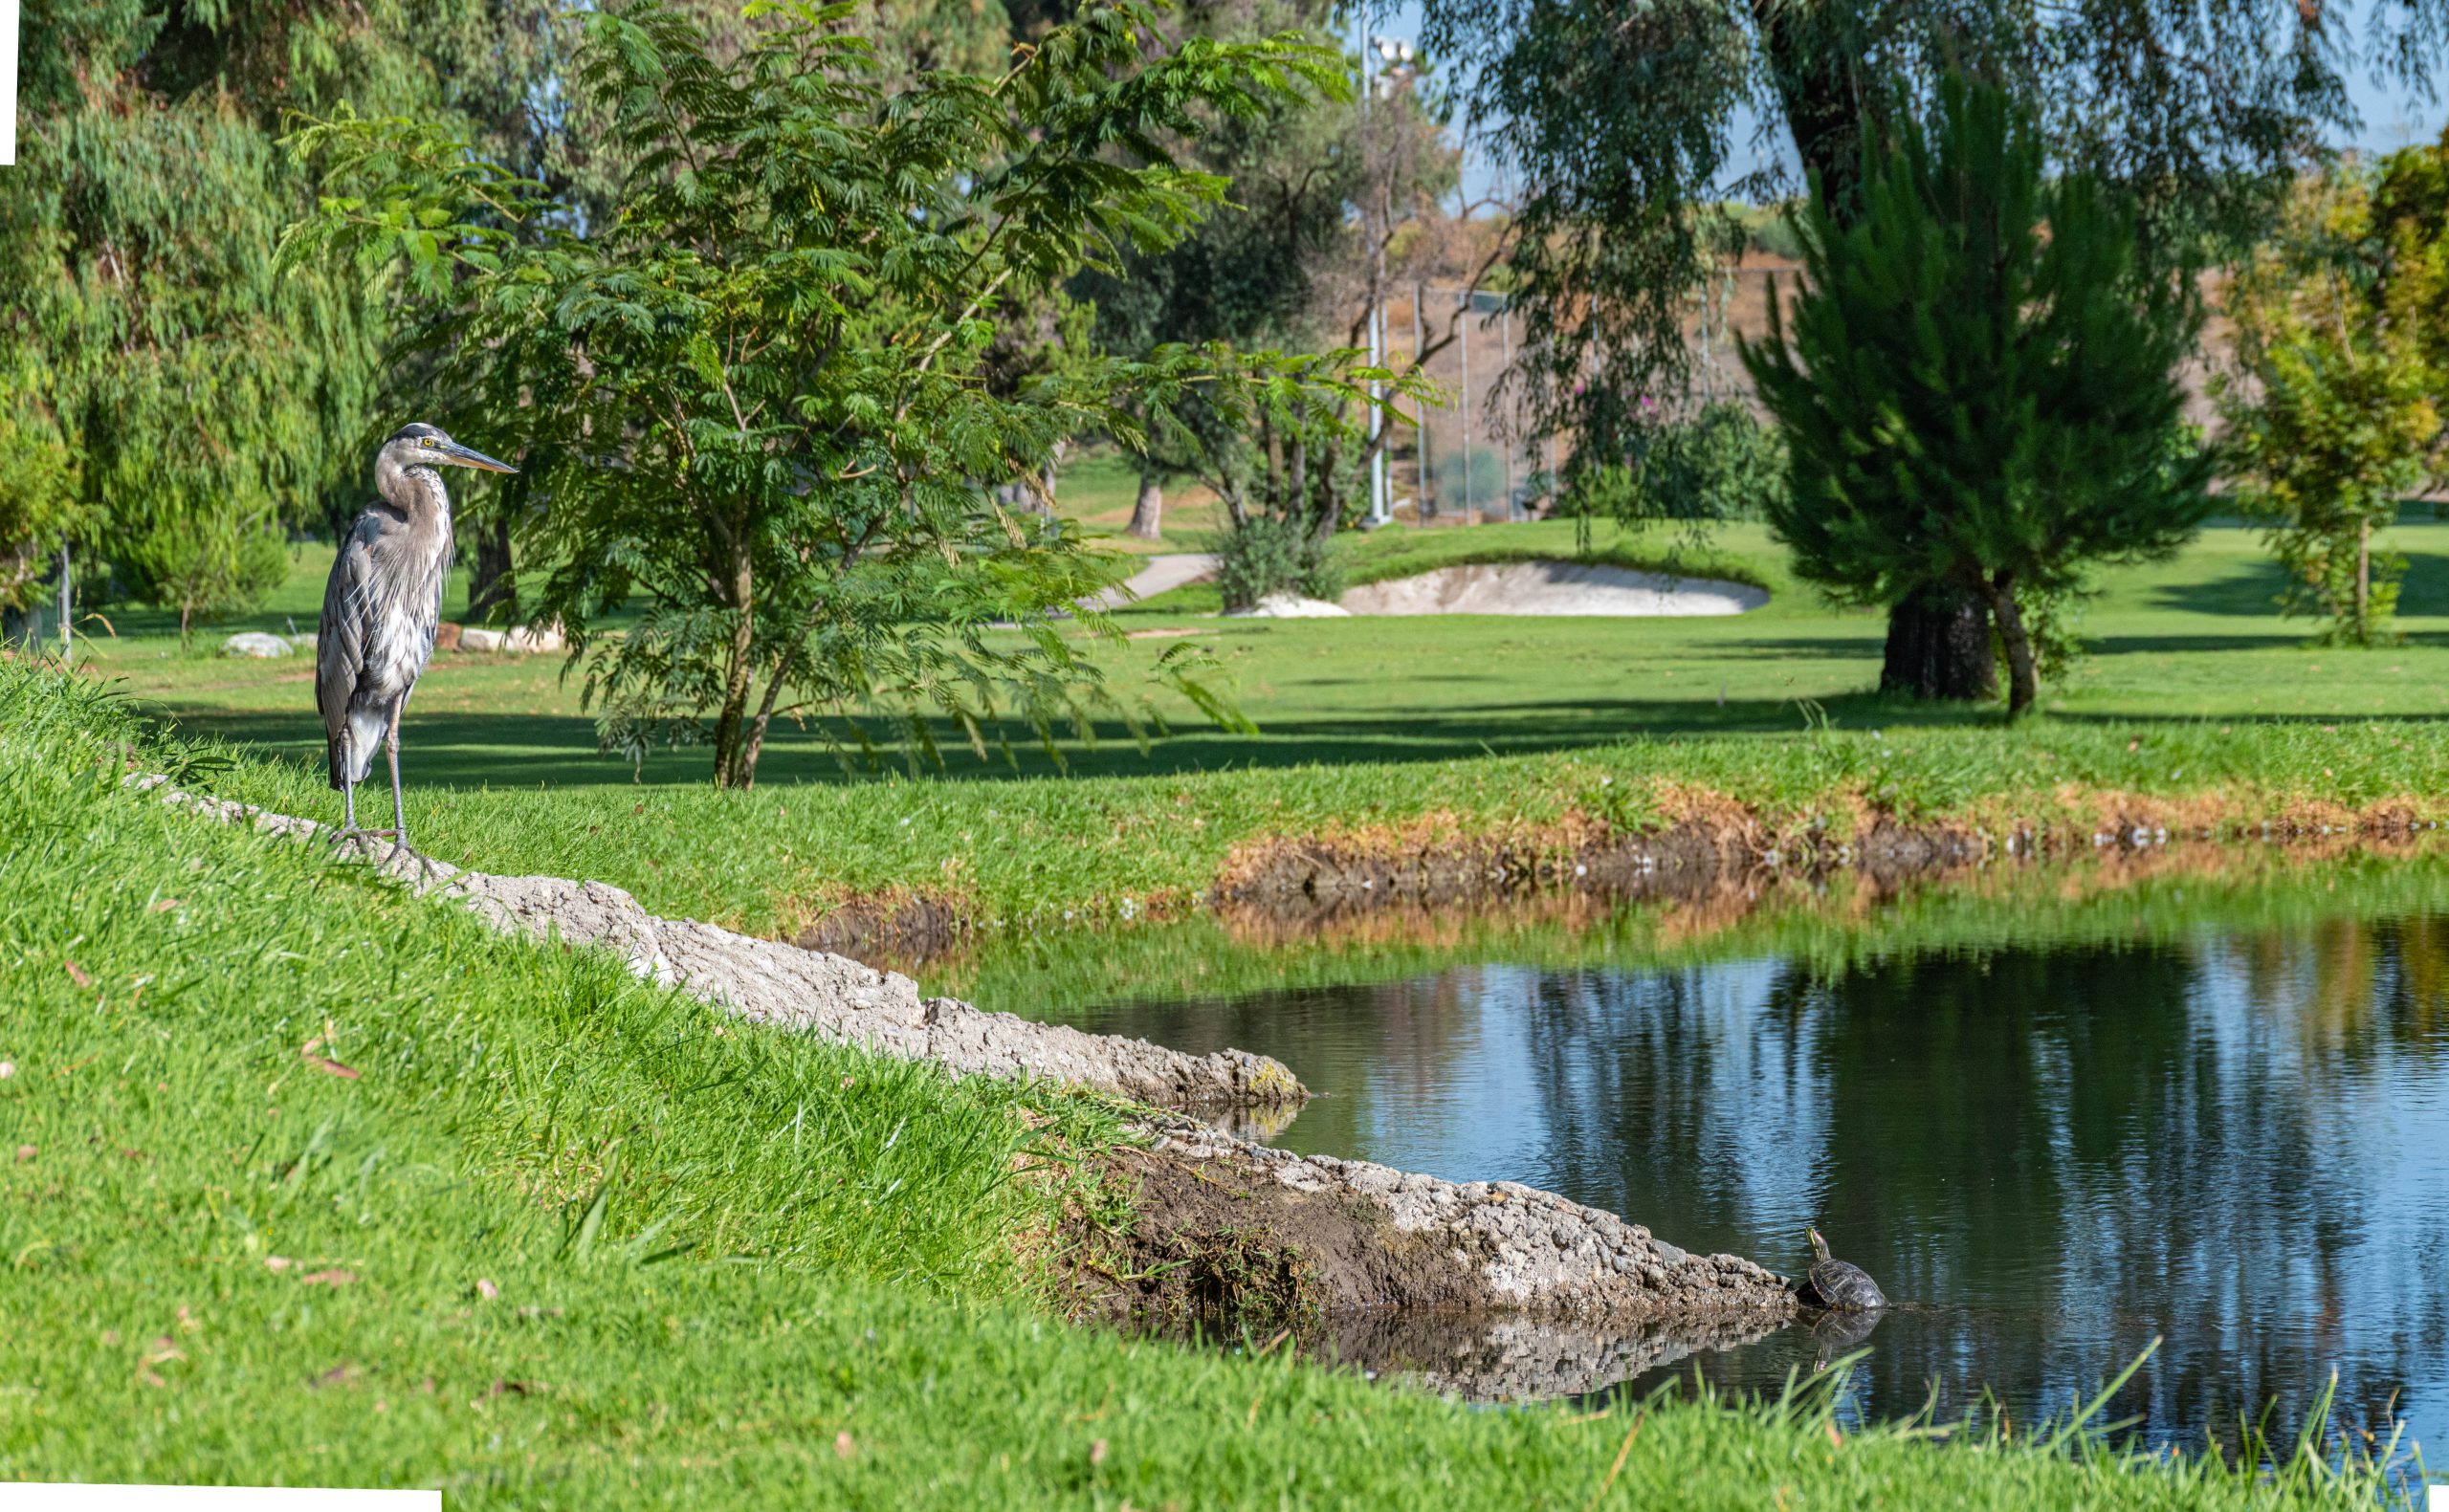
(1978,388)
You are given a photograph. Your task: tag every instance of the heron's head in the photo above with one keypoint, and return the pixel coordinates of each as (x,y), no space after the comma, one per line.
(1819,1245)
(424,445)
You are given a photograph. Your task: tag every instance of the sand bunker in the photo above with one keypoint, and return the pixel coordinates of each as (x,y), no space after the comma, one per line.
(1552,587)
(1290,607)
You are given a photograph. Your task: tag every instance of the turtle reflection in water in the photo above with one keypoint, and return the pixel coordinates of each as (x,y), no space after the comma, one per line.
(1837,1332)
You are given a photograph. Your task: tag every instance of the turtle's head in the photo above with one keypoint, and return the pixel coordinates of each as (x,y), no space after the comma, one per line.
(1819,1245)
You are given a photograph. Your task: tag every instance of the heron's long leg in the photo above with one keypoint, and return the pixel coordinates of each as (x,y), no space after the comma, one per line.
(391,746)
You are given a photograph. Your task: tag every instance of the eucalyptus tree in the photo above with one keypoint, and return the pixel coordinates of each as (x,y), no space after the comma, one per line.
(1620,121)
(757,402)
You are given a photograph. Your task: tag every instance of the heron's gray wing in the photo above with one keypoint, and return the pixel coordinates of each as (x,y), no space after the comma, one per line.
(339,640)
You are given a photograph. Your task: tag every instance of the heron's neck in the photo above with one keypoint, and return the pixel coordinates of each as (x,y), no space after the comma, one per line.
(415,492)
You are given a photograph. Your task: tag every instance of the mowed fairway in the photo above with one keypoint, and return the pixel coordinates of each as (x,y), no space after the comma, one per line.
(2197,638)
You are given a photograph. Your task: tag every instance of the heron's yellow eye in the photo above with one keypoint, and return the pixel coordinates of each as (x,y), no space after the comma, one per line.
(428,441)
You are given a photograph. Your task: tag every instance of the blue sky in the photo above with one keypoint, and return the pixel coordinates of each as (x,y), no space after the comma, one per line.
(2392,117)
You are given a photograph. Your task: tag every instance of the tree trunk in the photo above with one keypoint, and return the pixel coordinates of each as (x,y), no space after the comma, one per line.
(2363,582)
(2022,687)
(1938,647)
(756,743)
(734,764)
(1327,518)
(1048,476)
(1148,510)
(1823,106)
(490,591)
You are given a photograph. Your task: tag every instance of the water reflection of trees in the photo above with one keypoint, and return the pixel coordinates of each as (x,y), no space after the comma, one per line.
(2239,1143)
(2069,1153)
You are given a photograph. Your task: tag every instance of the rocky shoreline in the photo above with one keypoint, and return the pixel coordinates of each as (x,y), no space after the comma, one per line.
(1225,1228)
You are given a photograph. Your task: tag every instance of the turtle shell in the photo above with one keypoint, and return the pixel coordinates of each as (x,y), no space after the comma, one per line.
(1843,1287)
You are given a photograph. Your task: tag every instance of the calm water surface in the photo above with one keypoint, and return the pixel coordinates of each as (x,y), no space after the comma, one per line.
(2236,1141)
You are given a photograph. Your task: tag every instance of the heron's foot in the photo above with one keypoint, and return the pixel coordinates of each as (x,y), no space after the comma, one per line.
(403,855)
(351,838)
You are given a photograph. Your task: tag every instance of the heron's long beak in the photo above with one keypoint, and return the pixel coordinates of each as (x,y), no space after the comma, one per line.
(471,457)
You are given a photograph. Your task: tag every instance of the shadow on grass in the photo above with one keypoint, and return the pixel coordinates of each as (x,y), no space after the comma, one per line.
(500,750)
(2253,589)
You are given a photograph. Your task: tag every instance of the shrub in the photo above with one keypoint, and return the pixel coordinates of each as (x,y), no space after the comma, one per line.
(1269,555)
(1719,463)
(2331,417)
(208,562)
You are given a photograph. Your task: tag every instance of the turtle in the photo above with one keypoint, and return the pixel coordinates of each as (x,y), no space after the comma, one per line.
(1836,1286)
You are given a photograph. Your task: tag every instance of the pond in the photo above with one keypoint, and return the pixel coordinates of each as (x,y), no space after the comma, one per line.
(2056,1121)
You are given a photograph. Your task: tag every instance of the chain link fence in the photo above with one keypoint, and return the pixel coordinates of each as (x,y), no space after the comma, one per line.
(1473,460)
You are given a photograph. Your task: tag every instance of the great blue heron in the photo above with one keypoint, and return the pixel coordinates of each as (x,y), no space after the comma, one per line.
(380,610)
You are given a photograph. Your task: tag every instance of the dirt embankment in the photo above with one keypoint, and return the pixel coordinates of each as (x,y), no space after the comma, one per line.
(1236,1235)
(1711,847)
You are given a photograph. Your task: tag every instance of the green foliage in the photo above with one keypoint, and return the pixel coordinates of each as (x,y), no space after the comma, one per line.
(756,405)
(1768,229)
(208,562)
(1625,125)
(38,502)
(1473,479)
(1284,261)
(1978,390)
(162,371)
(1266,555)
(1720,463)
(2334,416)
(2053,623)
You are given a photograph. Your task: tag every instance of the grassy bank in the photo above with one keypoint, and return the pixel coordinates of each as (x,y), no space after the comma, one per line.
(2197,706)
(1055,850)
(315,1182)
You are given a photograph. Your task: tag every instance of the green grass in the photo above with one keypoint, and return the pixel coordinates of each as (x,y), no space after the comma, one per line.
(565,1240)
(2195,691)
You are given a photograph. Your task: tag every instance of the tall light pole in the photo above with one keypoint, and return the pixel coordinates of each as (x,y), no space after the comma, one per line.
(1388,66)
(1377,349)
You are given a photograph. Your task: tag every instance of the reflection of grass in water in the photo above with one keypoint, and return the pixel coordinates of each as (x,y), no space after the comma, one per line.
(2146,899)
